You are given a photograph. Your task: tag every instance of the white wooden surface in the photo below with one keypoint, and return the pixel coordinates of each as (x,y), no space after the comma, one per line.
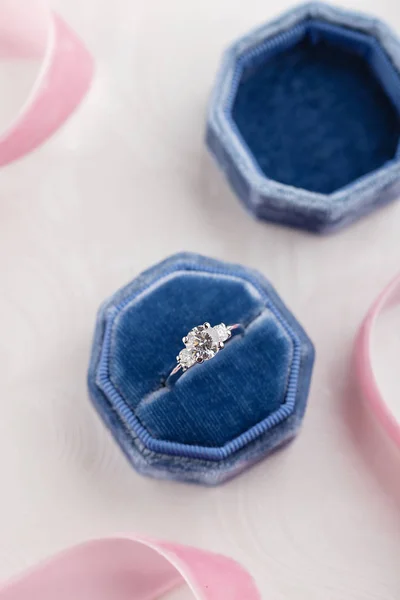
(126,182)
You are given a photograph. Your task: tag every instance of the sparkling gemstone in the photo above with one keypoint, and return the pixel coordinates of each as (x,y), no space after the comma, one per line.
(186,358)
(222,332)
(203,343)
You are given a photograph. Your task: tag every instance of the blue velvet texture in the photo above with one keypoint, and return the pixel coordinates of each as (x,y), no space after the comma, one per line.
(304,119)
(212,403)
(220,416)
(315,116)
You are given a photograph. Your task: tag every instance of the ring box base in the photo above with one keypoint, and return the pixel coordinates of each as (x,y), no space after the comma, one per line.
(221,416)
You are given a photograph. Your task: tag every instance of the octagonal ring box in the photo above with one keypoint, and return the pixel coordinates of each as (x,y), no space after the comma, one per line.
(218,417)
(304,118)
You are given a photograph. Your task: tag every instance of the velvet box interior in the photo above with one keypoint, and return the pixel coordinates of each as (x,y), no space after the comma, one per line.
(305,117)
(218,417)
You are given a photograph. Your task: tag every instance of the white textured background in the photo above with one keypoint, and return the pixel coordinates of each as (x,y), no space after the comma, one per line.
(126,182)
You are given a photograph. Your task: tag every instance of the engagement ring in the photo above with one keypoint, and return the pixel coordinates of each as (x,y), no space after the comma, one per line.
(202,343)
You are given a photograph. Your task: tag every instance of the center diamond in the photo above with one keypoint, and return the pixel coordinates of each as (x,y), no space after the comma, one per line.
(202,343)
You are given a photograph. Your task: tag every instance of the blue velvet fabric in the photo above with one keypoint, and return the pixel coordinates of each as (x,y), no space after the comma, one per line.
(212,403)
(305,118)
(315,116)
(222,415)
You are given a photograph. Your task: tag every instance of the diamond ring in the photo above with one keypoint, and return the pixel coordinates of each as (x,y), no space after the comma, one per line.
(202,343)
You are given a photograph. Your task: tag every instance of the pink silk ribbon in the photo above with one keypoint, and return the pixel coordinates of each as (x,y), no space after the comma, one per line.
(30,34)
(133,568)
(364,365)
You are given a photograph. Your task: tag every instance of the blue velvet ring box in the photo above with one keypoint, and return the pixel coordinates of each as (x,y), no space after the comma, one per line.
(305,118)
(221,416)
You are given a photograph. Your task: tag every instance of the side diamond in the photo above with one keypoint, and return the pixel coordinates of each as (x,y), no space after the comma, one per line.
(223,332)
(186,358)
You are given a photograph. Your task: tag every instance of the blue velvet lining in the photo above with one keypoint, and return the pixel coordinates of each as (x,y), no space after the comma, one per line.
(253,380)
(318,106)
(219,400)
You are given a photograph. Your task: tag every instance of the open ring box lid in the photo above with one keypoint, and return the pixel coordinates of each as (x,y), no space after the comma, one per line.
(220,416)
(304,119)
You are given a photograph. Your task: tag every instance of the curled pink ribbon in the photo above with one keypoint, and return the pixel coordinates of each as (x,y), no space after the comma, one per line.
(133,568)
(31,35)
(364,365)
